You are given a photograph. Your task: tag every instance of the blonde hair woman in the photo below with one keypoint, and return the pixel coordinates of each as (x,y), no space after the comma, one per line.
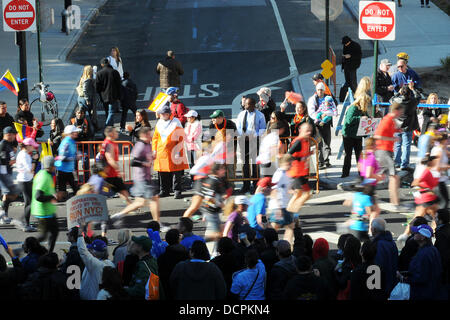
(116,61)
(364,87)
(428,114)
(86,92)
(358,109)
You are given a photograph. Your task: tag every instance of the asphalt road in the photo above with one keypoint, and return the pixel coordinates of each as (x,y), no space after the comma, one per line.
(226,47)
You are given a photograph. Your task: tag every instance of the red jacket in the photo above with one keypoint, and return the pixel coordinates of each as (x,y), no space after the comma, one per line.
(178,110)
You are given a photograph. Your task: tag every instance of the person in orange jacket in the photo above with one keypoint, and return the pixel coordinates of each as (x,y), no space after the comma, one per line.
(168,149)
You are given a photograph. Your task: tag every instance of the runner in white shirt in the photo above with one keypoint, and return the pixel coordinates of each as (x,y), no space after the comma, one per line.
(279,199)
(25,169)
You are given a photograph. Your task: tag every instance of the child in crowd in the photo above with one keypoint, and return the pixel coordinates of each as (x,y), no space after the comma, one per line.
(326,111)
(256,212)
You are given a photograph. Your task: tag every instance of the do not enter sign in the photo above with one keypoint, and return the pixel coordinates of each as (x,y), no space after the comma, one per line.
(19,15)
(377,20)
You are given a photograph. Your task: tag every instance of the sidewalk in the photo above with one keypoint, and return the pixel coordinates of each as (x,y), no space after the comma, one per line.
(62,77)
(420,32)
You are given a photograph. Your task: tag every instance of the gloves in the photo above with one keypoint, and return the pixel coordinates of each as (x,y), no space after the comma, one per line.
(3,242)
(154,235)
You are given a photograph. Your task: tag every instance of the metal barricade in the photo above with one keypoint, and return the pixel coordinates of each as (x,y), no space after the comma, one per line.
(315,176)
(89,150)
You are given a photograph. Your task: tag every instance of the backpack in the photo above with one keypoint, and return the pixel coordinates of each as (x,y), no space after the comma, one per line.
(152,286)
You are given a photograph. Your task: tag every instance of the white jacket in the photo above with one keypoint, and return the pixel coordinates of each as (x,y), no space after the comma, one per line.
(118,67)
(92,274)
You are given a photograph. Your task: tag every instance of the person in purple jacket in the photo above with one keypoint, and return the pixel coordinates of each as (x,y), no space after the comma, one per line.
(142,176)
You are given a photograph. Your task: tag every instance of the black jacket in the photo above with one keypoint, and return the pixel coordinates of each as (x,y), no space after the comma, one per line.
(442,243)
(269,257)
(278,277)
(408,252)
(358,285)
(167,262)
(228,264)
(383,82)
(305,287)
(72,258)
(46,284)
(10,280)
(354,50)
(129,93)
(197,281)
(108,84)
(6,121)
(408,120)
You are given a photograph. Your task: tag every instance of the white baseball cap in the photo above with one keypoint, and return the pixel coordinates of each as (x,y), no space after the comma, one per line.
(241,200)
(71,129)
(191,113)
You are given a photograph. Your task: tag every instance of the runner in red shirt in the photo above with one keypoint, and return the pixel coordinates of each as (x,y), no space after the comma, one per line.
(384,153)
(427,202)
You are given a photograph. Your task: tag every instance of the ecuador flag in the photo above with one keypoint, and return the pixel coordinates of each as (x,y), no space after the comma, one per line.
(9,82)
(21,130)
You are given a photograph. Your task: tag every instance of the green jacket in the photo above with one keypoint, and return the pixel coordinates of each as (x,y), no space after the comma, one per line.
(351,122)
(136,289)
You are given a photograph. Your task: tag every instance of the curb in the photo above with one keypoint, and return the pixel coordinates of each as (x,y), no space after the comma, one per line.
(62,56)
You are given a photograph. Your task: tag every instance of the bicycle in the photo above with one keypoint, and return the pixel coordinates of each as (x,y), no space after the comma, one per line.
(47,101)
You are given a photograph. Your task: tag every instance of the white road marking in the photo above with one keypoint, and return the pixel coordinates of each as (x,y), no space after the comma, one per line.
(329,236)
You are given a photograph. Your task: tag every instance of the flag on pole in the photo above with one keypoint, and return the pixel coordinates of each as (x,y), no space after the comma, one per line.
(21,130)
(9,82)
(160,100)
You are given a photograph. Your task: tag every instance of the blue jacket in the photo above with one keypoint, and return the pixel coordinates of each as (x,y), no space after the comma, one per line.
(400,78)
(243,280)
(67,152)
(424,274)
(387,259)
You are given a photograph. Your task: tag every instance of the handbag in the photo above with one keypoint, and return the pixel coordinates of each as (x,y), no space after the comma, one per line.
(400,292)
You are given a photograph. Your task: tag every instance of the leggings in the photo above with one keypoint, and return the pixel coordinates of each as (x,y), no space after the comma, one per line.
(26,188)
(65,178)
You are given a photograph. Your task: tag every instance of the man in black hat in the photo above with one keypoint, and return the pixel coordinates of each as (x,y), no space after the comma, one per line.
(7,159)
(351,60)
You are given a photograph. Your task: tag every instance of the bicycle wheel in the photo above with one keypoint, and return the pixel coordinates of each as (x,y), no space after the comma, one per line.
(49,112)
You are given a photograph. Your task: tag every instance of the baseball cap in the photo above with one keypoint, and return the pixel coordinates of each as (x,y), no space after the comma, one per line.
(191,113)
(143,241)
(30,142)
(317,76)
(71,129)
(164,109)
(48,162)
(320,86)
(265,182)
(424,230)
(386,62)
(402,55)
(9,130)
(241,200)
(97,245)
(217,113)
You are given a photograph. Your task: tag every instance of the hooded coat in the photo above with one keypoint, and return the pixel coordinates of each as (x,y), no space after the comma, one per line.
(278,277)
(387,259)
(169,71)
(197,281)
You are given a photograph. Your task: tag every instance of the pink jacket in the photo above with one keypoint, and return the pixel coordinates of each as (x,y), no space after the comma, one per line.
(193,135)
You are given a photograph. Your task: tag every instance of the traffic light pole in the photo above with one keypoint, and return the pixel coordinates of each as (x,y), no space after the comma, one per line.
(38,27)
(21,41)
(327,30)
(375,67)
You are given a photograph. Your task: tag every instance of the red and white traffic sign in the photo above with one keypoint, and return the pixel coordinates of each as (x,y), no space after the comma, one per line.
(377,20)
(19,15)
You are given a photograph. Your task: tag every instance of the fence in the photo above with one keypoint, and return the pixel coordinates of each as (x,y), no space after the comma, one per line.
(89,150)
(316,176)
